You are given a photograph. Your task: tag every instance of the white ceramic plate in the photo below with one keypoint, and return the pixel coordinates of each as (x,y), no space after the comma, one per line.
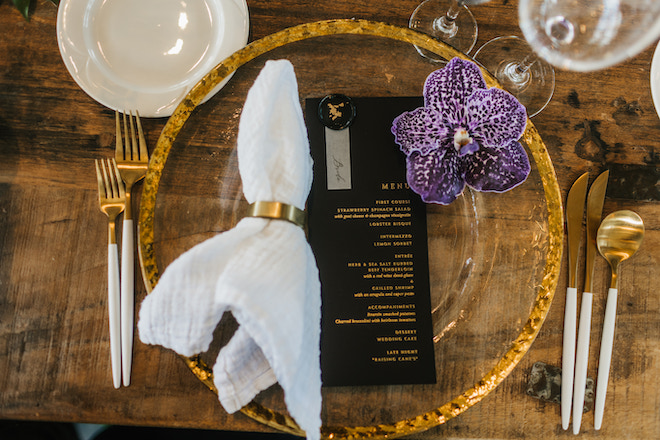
(655,79)
(146,55)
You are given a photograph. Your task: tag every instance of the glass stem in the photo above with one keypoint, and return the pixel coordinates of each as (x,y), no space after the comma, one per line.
(518,73)
(526,63)
(447,23)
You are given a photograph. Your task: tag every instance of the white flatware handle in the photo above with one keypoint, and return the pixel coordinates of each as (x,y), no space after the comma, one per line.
(127,299)
(113,313)
(568,356)
(581,360)
(605,359)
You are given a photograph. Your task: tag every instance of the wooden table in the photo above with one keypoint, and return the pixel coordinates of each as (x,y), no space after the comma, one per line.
(54,356)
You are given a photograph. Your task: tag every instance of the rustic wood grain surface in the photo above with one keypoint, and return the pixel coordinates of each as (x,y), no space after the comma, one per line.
(54,350)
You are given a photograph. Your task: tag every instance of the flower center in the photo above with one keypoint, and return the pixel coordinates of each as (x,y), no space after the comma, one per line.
(463,143)
(461,138)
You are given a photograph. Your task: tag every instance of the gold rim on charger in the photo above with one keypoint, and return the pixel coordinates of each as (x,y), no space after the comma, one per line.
(519,347)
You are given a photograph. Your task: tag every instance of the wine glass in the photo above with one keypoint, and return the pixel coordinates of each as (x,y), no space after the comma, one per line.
(449,21)
(519,70)
(587,35)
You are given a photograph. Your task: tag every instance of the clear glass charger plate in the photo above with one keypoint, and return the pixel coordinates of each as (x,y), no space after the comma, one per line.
(494,258)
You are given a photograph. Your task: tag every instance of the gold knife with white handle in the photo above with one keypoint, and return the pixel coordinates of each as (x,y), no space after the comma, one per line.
(595,202)
(574,216)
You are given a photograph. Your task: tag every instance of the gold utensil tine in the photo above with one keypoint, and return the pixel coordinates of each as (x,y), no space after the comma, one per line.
(131,154)
(142,150)
(133,160)
(112,201)
(112,195)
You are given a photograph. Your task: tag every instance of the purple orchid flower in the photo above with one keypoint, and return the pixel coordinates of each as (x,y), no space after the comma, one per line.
(464,134)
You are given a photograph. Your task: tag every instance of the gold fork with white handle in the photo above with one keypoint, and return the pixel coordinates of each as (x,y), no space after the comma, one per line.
(112,201)
(132,160)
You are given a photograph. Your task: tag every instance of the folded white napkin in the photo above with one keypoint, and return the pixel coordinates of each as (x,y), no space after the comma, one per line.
(263,270)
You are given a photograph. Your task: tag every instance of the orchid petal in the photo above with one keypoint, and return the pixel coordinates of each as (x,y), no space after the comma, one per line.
(436,177)
(447,89)
(497,169)
(468,149)
(495,117)
(418,130)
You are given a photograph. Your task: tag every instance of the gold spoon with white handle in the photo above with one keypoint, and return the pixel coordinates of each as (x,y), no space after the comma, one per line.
(619,237)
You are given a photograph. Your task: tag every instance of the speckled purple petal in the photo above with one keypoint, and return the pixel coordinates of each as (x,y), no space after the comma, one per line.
(497,169)
(418,130)
(447,89)
(495,117)
(436,177)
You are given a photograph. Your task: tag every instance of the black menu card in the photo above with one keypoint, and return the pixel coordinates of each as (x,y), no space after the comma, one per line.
(368,232)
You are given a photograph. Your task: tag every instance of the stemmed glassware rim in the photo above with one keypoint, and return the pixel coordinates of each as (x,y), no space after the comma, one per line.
(579,64)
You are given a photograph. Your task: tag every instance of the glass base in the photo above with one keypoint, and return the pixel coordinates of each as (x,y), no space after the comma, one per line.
(533,87)
(429,18)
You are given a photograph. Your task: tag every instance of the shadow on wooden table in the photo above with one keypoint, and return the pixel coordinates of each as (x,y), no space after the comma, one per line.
(24,430)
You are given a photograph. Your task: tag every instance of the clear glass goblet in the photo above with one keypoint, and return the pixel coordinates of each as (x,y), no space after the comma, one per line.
(449,21)
(519,70)
(587,35)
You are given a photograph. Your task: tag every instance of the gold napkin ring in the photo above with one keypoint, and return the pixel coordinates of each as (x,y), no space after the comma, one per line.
(277,210)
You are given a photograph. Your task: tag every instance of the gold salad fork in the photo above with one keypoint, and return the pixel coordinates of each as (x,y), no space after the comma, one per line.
(132,159)
(112,201)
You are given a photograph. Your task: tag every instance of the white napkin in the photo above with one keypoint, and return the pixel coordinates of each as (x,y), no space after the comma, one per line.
(263,271)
